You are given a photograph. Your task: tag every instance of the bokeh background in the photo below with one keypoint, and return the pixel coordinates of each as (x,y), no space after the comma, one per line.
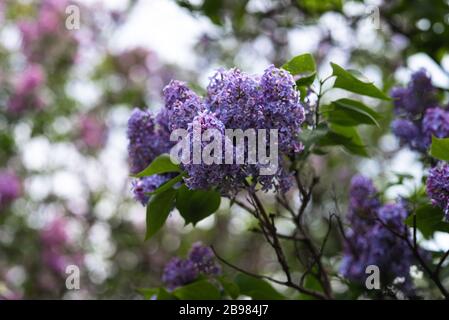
(66,95)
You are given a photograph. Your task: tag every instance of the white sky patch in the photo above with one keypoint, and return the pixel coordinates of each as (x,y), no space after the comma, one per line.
(163,27)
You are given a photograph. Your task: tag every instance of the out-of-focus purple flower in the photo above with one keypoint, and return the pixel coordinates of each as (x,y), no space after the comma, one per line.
(371,239)
(200,261)
(27,90)
(141,187)
(405,130)
(57,251)
(10,188)
(204,260)
(93,132)
(146,141)
(438,187)
(418,115)
(409,134)
(179,272)
(435,123)
(55,233)
(363,196)
(419,95)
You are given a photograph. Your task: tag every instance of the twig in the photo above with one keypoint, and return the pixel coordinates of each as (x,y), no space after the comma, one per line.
(287,283)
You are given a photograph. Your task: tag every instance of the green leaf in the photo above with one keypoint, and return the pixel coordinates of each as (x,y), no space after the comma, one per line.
(195,205)
(257,289)
(158,210)
(161,164)
(229,287)
(199,290)
(165,295)
(156,293)
(347,137)
(168,184)
(304,67)
(148,293)
(428,220)
(347,112)
(347,80)
(440,148)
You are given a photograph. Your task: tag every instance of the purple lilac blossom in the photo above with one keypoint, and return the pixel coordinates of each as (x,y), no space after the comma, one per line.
(435,123)
(419,95)
(27,90)
(418,116)
(438,187)
(146,141)
(10,188)
(200,261)
(181,104)
(236,100)
(204,176)
(204,259)
(141,187)
(371,239)
(409,134)
(179,272)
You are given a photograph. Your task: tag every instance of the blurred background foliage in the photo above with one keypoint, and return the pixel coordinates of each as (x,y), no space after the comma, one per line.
(70,153)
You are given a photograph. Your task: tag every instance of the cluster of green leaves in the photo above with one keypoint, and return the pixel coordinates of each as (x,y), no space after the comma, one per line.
(342,116)
(217,288)
(193,205)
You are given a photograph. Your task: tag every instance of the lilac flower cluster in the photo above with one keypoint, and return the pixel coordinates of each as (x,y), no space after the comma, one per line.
(200,261)
(418,114)
(236,100)
(10,188)
(148,137)
(200,175)
(371,240)
(438,187)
